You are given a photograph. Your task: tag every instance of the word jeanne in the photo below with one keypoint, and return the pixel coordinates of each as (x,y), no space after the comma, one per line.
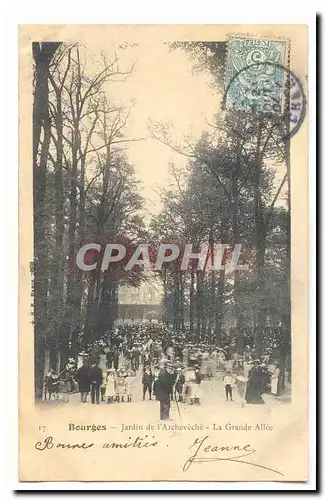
(210,257)
(48,444)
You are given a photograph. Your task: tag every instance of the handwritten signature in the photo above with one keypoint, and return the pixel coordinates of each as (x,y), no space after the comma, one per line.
(239,454)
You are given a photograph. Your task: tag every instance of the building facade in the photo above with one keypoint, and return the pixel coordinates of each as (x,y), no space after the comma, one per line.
(141,303)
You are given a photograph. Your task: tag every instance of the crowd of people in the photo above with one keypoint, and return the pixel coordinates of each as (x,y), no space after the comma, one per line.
(171,368)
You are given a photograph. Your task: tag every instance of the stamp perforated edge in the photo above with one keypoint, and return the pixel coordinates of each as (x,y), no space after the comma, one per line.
(287,62)
(250,36)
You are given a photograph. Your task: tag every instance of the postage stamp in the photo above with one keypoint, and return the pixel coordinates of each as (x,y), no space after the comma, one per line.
(252,85)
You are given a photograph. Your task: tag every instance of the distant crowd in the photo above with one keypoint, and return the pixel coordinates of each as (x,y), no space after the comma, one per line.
(171,368)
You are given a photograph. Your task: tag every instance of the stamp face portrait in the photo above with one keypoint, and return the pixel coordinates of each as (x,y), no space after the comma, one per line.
(163,228)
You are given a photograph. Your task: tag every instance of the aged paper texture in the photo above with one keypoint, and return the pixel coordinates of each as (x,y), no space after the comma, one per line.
(163,228)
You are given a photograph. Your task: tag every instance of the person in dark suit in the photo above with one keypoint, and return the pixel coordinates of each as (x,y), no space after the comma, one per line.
(255,385)
(164,389)
(83,379)
(95,375)
(109,358)
(115,358)
(147,382)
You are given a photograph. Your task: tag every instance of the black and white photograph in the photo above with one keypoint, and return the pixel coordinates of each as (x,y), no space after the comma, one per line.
(165,215)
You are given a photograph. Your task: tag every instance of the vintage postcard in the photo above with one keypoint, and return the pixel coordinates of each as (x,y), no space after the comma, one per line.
(163,222)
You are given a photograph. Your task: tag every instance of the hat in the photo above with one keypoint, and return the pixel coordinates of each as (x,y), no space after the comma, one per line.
(111,370)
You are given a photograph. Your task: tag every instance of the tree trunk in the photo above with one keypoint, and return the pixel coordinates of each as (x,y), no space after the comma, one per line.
(57,272)
(261,295)
(219,307)
(199,303)
(260,239)
(108,304)
(165,304)
(219,312)
(176,307)
(81,238)
(192,302)
(71,317)
(181,291)
(42,54)
(285,348)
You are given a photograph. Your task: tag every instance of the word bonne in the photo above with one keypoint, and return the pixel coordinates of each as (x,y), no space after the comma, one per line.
(93,256)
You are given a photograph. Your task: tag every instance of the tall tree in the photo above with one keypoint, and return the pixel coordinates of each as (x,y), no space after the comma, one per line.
(43,53)
(84,187)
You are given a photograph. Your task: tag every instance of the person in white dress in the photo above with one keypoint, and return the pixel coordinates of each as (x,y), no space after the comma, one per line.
(192,389)
(110,389)
(274,380)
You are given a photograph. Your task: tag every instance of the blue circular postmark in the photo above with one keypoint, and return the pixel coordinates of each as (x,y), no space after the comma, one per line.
(267,89)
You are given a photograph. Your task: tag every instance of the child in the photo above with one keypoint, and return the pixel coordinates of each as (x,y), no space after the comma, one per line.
(129,384)
(51,385)
(228,384)
(64,386)
(147,382)
(110,388)
(121,384)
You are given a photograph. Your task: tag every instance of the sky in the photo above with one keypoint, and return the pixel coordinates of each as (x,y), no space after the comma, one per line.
(163,90)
